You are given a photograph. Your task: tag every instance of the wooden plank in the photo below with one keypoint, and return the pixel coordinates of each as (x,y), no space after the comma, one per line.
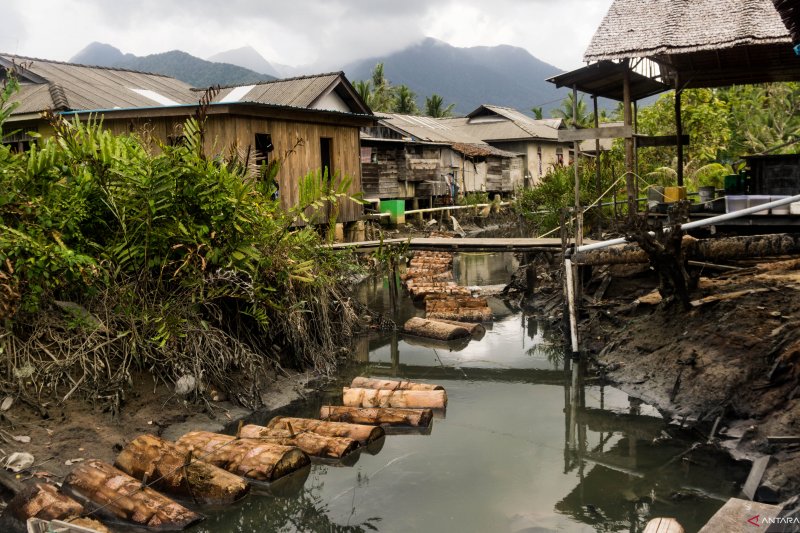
(784,439)
(760,466)
(646,141)
(740,516)
(611,132)
(663,525)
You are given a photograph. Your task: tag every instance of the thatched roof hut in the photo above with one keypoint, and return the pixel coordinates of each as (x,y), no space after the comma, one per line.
(704,43)
(790,13)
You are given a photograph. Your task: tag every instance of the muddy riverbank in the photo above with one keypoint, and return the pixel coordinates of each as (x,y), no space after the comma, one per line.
(728,367)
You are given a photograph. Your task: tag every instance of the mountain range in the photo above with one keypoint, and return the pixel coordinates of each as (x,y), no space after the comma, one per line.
(468,77)
(176,63)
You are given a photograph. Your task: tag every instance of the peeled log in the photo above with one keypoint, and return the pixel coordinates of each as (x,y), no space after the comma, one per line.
(42,500)
(371,383)
(404,399)
(377,416)
(250,458)
(434,330)
(358,432)
(114,494)
(700,250)
(312,443)
(476,329)
(162,463)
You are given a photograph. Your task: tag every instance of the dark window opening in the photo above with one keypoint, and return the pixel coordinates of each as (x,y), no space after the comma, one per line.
(326,164)
(263,148)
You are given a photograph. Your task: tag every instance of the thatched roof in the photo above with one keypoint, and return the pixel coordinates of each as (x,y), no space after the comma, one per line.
(636,28)
(700,43)
(790,13)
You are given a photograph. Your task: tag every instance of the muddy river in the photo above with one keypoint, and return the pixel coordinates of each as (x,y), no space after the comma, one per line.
(527,444)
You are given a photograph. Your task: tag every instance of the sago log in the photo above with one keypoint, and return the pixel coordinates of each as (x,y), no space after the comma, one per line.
(361,382)
(358,432)
(250,458)
(377,416)
(312,443)
(114,494)
(42,500)
(166,467)
(434,330)
(404,399)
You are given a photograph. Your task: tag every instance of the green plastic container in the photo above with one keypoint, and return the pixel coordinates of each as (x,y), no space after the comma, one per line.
(396,210)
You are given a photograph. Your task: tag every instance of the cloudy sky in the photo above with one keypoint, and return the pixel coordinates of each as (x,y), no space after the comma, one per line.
(327,33)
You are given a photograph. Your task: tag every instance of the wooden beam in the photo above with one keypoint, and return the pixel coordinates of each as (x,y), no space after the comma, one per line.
(610,132)
(679,130)
(630,181)
(645,141)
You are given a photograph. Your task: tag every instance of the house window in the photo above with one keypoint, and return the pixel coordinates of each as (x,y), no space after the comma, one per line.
(263,148)
(559,156)
(325,151)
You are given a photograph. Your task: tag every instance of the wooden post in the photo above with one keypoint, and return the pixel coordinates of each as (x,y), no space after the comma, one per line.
(630,182)
(597,181)
(576,150)
(636,149)
(679,130)
(573,318)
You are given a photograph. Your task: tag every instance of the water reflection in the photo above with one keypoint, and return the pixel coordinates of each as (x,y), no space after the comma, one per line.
(527,445)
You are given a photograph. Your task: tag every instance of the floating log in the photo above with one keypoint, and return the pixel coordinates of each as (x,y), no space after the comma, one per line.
(403,399)
(42,500)
(114,494)
(702,250)
(476,329)
(457,308)
(378,416)
(250,458)
(372,383)
(434,330)
(163,463)
(311,443)
(358,432)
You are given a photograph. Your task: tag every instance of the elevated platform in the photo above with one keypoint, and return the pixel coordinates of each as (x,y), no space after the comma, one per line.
(463,245)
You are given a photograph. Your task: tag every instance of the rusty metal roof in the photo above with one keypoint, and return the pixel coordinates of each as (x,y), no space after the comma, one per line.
(66,86)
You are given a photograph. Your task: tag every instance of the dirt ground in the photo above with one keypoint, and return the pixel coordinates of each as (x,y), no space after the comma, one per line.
(733,359)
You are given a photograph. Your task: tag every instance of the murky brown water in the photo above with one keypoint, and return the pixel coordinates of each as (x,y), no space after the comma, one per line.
(526,446)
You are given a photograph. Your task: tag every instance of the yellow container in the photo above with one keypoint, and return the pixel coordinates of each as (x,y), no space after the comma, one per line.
(674,194)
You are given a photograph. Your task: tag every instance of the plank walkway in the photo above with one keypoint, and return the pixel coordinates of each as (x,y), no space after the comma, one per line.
(463,245)
(741,515)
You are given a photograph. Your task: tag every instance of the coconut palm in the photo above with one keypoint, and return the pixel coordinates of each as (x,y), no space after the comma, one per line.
(405,101)
(584,119)
(434,107)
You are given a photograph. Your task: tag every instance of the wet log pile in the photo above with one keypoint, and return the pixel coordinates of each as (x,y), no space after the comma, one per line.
(458,308)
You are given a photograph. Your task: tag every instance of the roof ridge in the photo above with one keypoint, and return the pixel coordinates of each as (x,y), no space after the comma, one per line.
(118,69)
(276,80)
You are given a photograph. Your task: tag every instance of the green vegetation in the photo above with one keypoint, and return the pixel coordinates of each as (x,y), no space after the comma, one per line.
(116,259)
(723,125)
(384,97)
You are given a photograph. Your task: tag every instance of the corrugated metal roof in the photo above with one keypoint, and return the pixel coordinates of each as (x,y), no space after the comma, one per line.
(633,28)
(434,130)
(84,87)
(506,124)
(295,92)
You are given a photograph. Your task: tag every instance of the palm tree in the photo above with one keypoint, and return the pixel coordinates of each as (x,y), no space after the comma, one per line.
(382,90)
(537,113)
(405,101)
(584,118)
(433,107)
(364,90)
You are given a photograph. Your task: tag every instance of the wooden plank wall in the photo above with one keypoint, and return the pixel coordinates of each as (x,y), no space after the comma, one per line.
(226,131)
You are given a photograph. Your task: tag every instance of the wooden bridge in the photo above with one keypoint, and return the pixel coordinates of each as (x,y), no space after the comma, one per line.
(462,245)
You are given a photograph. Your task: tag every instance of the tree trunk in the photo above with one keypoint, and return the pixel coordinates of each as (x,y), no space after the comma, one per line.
(358,432)
(457,308)
(250,458)
(163,464)
(369,383)
(377,416)
(700,250)
(404,399)
(112,493)
(476,329)
(311,443)
(42,500)
(434,330)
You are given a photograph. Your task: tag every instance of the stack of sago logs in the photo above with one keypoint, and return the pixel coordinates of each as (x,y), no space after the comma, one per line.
(212,469)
